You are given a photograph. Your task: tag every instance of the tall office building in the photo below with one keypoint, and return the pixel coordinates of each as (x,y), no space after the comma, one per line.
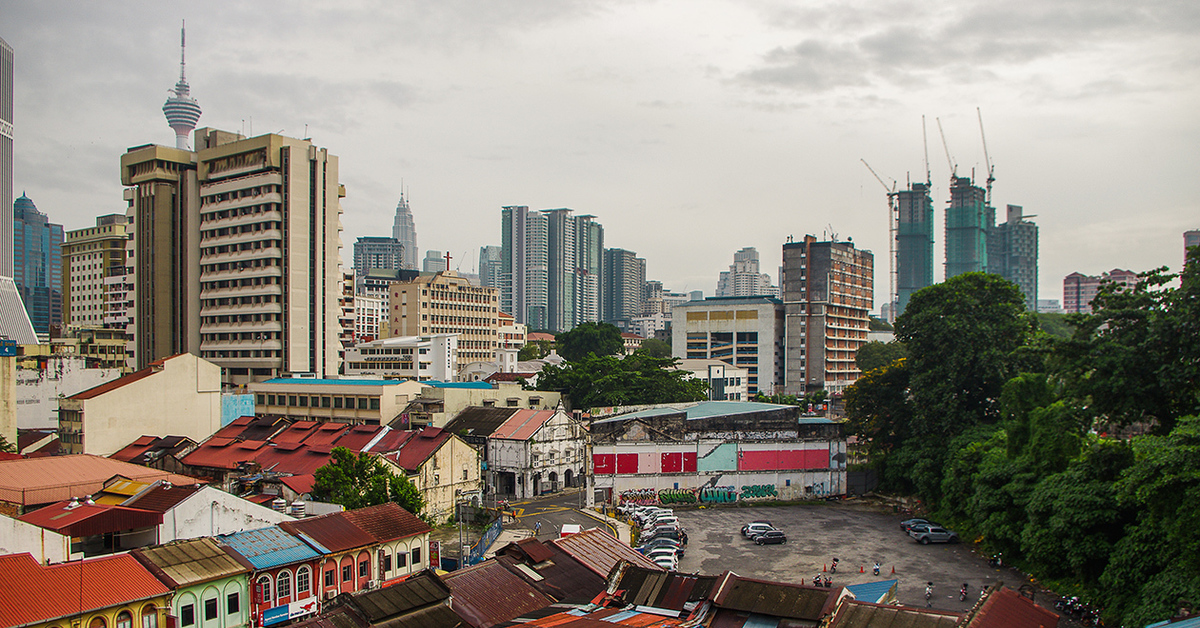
(968,219)
(588,271)
(746,332)
(6,159)
(743,279)
(37,264)
(94,274)
(444,303)
(182,111)
(404,230)
(914,243)
(828,293)
(377,252)
(624,287)
(434,262)
(1013,253)
(524,266)
(491,261)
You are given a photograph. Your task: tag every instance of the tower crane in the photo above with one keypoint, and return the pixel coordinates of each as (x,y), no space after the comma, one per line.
(953,166)
(878,178)
(893,230)
(986,159)
(925,143)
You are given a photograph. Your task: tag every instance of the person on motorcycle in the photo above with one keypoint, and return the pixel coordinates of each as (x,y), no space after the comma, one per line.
(928,594)
(833,567)
(875,569)
(962,593)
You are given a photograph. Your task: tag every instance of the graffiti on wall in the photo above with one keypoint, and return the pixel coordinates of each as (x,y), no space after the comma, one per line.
(703,495)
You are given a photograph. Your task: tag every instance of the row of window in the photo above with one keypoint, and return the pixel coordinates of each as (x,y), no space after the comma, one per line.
(315,401)
(187,612)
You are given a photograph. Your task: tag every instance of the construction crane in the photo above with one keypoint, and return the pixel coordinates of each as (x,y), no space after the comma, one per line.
(893,229)
(986,159)
(949,160)
(925,143)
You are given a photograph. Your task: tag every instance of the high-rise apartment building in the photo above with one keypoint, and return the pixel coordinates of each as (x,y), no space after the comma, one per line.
(1080,289)
(377,252)
(914,243)
(746,332)
(37,264)
(743,279)
(1013,253)
(624,287)
(6,159)
(404,230)
(94,274)
(551,267)
(968,220)
(828,293)
(491,260)
(445,303)
(434,262)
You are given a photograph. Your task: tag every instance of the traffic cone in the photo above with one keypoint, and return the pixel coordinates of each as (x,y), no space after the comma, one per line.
(860,569)
(823,568)
(893,570)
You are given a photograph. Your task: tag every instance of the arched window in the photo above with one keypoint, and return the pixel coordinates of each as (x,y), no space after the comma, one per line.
(283,585)
(264,584)
(303,581)
(149,616)
(124,619)
(97,622)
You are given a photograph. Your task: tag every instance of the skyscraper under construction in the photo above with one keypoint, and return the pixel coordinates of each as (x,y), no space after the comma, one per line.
(968,219)
(914,242)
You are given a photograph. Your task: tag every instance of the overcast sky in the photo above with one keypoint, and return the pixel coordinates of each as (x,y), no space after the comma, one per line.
(690,128)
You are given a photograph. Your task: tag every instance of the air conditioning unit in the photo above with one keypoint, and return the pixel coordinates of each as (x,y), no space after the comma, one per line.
(371,584)
(329,595)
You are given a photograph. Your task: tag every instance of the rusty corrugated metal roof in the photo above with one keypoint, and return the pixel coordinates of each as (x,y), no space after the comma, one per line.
(162,498)
(600,551)
(552,571)
(777,599)
(1005,608)
(334,531)
(72,518)
(32,481)
(487,594)
(188,562)
(34,593)
(856,614)
(523,424)
(387,522)
(661,589)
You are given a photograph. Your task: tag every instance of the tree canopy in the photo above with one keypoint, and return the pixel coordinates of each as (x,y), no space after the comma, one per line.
(655,348)
(613,381)
(590,339)
(361,480)
(875,354)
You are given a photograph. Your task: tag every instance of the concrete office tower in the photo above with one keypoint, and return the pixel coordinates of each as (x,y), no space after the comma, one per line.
(163,252)
(182,111)
(404,229)
(94,274)
(377,252)
(828,293)
(588,271)
(743,278)
(524,266)
(37,264)
(491,261)
(624,287)
(914,243)
(1013,253)
(445,303)
(746,332)
(968,219)
(6,159)
(574,266)
(270,252)
(1080,289)
(434,262)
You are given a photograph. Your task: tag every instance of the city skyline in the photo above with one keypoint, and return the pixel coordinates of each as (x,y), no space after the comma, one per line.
(733,126)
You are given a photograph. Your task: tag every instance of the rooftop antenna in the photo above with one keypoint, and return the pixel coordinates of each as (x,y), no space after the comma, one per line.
(987,160)
(949,160)
(925,142)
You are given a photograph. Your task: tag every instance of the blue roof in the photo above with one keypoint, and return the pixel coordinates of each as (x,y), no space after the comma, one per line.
(471,385)
(1186,623)
(335,382)
(702,410)
(271,547)
(874,592)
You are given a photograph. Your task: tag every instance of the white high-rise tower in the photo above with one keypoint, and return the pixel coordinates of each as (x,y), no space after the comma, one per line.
(182,111)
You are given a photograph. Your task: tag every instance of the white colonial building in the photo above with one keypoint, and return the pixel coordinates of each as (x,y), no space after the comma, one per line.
(420,358)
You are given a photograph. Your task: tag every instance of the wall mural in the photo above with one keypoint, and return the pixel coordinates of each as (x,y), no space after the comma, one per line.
(703,495)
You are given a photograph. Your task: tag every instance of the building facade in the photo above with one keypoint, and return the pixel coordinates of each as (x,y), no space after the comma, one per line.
(1013,253)
(624,287)
(536,452)
(420,358)
(434,262)
(828,294)
(914,243)
(404,230)
(968,220)
(491,259)
(743,279)
(725,382)
(93,264)
(377,252)
(37,265)
(344,400)
(523,266)
(6,159)
(368,312)
(447,304)
(1080,289)
(745,332)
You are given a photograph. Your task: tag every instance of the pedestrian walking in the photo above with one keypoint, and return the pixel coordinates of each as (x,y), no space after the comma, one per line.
(537,528)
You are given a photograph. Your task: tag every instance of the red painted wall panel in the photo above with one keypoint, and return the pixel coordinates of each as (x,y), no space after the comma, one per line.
(603,464)
(689,462)
(783,460)
(672,462)
(627,463)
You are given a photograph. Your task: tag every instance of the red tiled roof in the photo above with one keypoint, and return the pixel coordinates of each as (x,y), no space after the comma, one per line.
(299,483)
(600,551)
(45,480)
(392,441)
(294,458)
(72,518)
(537,335)
(34,593)
(523,424)
(387,522)
(1006,608)
(223,453)
(358,437)
(161,498)
(418,448)
(487,594)
(334,531)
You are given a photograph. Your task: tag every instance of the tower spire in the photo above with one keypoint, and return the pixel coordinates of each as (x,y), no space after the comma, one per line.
(182,111)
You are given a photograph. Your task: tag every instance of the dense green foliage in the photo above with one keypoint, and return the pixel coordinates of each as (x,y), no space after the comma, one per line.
(655,348)
(361,480)
(613,381)
(875,354)
(590,339)
(1077,455)
(535,349)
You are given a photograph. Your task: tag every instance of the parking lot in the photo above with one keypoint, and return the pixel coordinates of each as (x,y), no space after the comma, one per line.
(857,534)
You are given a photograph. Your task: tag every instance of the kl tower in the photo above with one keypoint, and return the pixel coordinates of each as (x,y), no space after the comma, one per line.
(182,111)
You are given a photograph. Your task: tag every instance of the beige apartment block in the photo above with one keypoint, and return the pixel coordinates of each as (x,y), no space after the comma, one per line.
(344,400)
(439,403)
(179,395)
(744,332)
(91,257)
(445,303)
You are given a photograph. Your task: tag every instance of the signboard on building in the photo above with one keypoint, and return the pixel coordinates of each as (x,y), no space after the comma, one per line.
(285,612)
(8,348)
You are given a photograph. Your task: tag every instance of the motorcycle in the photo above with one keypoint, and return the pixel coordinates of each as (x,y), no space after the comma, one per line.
(828,582)
(962,593)
(833,567)
(996,560)
(875,569)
